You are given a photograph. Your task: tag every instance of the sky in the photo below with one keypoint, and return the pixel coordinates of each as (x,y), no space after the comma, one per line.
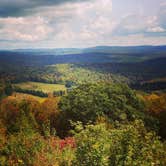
(81,23)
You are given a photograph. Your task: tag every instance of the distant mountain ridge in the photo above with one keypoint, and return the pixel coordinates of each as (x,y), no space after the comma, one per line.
(136,63)
(126,49)
(103,49)
(99,54)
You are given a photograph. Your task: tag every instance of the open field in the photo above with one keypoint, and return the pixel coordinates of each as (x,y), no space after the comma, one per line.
(36,86)
(21,96)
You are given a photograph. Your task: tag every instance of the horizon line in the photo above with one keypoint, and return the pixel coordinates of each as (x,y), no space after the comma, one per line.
(50,48)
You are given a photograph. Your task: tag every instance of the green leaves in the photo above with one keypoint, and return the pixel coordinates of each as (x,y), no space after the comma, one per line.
(93,146)
(124,146)
(89,101)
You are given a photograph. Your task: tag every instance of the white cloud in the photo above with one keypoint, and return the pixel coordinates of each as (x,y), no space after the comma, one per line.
(78,24)
(79,21)
(24,29)
(156,29)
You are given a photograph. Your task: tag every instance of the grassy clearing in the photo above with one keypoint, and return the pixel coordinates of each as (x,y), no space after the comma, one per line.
(22,96)
(36,86)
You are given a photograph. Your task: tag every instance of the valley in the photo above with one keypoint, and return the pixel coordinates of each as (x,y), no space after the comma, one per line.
(83,106)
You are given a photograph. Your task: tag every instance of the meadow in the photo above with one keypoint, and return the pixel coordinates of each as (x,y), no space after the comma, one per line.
(38,86)
(24,96)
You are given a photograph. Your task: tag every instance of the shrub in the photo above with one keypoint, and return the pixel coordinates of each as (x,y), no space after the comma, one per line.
(93,147)
(127,145)
(22,149)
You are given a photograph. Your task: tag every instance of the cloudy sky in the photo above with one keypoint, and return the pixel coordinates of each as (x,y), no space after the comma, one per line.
(81,23)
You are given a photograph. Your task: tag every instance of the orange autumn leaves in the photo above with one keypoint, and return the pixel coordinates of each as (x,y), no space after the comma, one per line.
(156,103)
(13,107)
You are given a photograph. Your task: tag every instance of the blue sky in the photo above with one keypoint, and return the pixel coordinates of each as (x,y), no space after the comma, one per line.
(76,23)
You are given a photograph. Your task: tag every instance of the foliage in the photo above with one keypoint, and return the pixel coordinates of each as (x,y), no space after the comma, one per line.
(8,89)
(23,96)
(27,136)
(32,92)
(1,91)
(106,130)
(89,101)
(22,149)
(5,89)
(18,114)
(93,146)
(126,145)
(134,145)
(26,149)
(156,105)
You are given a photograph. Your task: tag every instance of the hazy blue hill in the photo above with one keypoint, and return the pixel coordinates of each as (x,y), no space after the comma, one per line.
(44,51)
(92,55)
(134,50)
(101,54)
(29,59)
(126,49)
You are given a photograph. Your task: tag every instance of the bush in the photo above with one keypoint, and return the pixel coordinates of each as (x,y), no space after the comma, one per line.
(134,145)
(22,149)
(93,147)
(127,145)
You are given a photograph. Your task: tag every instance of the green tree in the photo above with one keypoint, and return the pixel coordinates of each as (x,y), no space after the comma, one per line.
(8,89)
(89,101)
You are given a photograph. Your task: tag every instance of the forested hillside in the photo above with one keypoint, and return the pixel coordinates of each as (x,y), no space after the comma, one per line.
(134,65)
(102,106)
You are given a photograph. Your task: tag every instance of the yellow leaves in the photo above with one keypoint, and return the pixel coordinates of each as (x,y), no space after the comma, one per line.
(156,103)
(20,161)
(96,145)
(152,97)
